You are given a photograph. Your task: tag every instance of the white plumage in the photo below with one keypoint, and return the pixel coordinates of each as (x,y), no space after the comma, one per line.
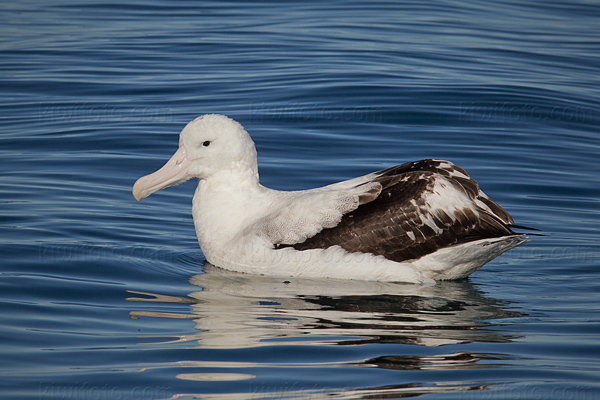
(411,223)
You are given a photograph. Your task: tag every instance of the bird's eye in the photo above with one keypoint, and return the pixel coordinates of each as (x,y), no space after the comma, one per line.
(206,143)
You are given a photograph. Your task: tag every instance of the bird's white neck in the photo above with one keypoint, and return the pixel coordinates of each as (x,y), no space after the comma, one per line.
(224,204)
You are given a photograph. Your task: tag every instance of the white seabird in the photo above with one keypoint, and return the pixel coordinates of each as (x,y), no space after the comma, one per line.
(416,222)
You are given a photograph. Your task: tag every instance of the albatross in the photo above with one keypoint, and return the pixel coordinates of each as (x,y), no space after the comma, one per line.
(417,222)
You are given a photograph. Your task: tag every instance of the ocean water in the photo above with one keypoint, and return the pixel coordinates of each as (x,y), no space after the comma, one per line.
(103,297)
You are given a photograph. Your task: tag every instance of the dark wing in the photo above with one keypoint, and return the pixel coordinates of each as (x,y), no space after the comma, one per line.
(423,206)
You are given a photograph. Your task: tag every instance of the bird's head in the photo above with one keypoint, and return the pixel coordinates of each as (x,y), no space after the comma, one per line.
(207,145)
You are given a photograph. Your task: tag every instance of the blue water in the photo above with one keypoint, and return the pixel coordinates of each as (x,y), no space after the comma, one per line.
(106,298)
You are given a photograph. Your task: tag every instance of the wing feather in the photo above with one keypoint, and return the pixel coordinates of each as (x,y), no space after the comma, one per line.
(300,215)
(421,207)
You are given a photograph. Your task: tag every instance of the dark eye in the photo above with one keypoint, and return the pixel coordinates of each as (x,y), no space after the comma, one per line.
(206,143)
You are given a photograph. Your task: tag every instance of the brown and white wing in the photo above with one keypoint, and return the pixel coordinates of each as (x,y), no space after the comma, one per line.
(296,216)
(423,206)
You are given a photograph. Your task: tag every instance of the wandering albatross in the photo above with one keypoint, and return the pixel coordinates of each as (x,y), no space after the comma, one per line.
(416,222)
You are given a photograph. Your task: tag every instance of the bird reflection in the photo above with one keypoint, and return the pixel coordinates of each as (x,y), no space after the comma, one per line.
(234,310)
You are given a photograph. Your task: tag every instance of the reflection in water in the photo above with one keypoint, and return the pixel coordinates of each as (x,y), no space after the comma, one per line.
(234,311)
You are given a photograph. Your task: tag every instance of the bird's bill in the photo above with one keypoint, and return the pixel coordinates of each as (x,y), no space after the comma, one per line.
(172,173)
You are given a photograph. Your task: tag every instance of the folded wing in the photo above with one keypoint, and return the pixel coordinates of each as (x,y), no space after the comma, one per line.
(409,211)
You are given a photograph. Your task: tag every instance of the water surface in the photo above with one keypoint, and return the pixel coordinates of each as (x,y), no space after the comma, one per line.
(106,298)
